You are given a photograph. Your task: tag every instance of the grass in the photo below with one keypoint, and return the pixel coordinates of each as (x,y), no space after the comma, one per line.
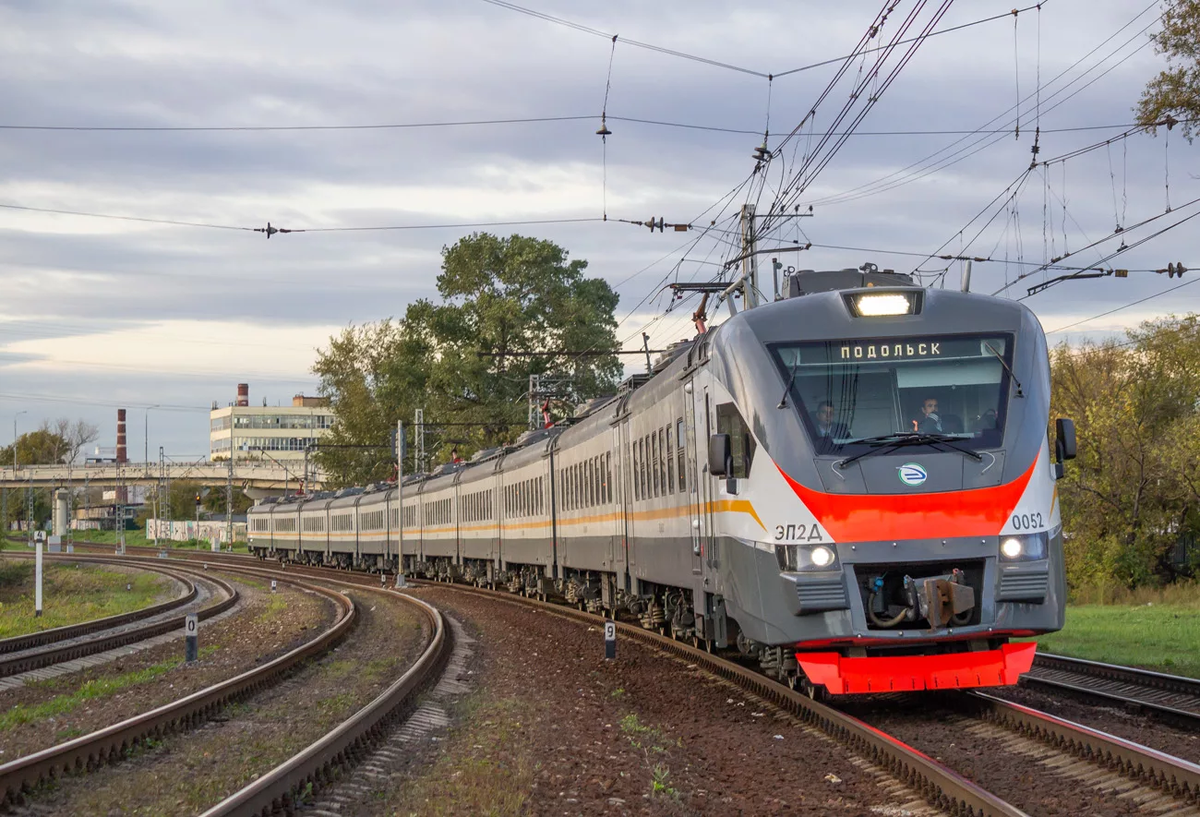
(486,768)
(1164,637)
(651,741)
(71,594)
(96,688)
(138,538)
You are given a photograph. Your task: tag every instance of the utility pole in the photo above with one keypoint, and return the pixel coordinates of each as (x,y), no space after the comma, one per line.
(70,506)
(158,497)
(400,499)
(419,441)
(646,347)
(750,262)
(229,504)
(29,509)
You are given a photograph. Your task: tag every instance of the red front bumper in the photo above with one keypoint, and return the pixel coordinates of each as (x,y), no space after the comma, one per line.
(959,670)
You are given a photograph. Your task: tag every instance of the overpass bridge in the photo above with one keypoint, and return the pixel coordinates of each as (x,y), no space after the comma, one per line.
(259,479)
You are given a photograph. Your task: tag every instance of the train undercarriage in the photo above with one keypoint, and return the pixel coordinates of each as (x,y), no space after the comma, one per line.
(671,612)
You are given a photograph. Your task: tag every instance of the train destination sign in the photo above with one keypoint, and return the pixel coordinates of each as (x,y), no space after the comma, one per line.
(894,349)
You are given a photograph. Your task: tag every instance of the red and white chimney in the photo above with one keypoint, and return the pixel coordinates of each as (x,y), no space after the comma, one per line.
(243,398)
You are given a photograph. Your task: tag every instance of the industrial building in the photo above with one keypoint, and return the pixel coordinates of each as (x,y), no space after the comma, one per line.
(267,432)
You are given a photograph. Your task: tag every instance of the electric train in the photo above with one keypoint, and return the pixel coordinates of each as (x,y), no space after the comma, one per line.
(854,485)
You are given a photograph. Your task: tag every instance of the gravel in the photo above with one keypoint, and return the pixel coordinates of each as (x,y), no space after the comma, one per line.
(263,628)
(187,773)
(1027,773)
(1139,728)
(553,728)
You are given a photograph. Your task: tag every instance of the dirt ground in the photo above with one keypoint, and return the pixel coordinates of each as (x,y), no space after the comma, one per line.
(554,729)
(43,713)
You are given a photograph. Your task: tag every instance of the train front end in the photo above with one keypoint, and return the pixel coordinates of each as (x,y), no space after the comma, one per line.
(893,443)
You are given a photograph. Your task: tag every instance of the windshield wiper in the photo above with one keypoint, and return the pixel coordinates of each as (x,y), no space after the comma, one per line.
(788,387)
(1004,363)
(900,439)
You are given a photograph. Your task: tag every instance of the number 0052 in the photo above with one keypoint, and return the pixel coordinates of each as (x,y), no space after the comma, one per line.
(1027,521)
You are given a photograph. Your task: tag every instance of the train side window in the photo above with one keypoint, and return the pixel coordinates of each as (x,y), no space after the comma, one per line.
(670,463)
(633,471)
(741,443)
(662,460)
(655,463)
(640,474)
(608,486)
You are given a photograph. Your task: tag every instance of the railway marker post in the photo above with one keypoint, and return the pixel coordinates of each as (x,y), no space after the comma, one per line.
(610,640)
(37,593)
(272,585)
(191,637)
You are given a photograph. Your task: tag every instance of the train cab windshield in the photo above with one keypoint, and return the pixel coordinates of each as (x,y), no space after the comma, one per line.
(852,392)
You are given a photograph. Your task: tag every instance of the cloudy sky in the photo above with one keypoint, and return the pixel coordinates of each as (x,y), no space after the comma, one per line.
(232,115)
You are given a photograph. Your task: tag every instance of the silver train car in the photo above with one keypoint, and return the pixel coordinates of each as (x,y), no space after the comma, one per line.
(854,485)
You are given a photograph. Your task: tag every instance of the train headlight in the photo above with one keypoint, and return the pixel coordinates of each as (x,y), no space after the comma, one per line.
(822,556)
(873,306)
(795,558)
(1024,548)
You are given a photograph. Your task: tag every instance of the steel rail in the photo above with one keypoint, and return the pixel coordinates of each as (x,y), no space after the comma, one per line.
(1172,775)
(90,751)
(25,662)
(1160,693)
(317,765)
(942,787)
(42,637)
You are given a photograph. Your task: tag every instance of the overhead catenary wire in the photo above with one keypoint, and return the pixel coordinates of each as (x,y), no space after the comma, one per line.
(910,173)
(586,29)
(387,227)
(1122,307)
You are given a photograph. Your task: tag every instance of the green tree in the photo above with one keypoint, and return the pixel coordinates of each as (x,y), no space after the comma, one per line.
(53,442)
(1134,491)
(1175,92)
(464,360)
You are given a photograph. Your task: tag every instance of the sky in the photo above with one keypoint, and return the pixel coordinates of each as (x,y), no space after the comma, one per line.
(231,115)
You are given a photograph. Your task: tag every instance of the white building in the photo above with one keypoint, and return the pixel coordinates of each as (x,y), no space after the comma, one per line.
(267,432)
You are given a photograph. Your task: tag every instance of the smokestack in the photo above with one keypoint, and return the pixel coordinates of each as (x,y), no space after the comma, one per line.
(243,398)
(122,454)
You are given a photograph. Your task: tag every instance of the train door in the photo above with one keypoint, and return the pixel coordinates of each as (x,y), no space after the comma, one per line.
(610,462)
(703,554)
(687,440)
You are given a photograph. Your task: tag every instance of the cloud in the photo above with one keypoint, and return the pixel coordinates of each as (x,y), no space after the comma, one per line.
(113,311)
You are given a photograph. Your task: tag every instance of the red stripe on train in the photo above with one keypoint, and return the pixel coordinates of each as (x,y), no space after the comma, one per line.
(866,517)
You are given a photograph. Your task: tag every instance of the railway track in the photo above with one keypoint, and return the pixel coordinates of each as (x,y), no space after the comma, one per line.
(1177,780)
(85,753)
(942,787)
(43,637)
(1137,690)
(309,770)
(63,644)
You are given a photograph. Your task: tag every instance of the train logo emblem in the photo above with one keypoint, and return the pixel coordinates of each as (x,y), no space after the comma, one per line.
(912,474)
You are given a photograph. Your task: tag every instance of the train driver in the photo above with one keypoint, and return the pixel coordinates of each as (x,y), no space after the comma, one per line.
(928,421)
(826,428)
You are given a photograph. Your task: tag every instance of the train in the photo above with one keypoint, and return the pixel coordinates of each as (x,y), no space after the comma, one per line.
(853,485)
